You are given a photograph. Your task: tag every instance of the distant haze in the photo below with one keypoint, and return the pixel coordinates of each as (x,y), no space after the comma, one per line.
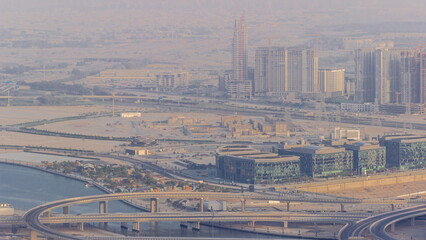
(108,13)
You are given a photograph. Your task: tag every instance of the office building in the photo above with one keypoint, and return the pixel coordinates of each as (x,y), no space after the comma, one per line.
(303,71)
(240,85)
(346,133)
(368,158)
(270,71)
(365,74)
(247,165)
(413,76)
(332,82)
(318,161)
(390,76)
(241,90)
(155,78)
(172,80)
(359,107)
(405,151)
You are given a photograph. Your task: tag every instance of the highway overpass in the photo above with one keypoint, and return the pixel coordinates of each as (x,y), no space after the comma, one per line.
(378,228)
(378,223)
(33,218)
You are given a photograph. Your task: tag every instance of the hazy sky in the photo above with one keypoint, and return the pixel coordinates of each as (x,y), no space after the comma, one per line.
(70,12)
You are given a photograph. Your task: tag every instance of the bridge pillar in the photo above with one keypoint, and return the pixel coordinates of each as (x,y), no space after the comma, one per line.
(14,228)
(136,227)
(393,227)
(80,227)
(285,225)
(66,210)
(46,214)
(154,205)
(243,205)
(33,235)
(124,225)
(288,206)
(413,221)
(196,226)
(251,224)
(342,207)
(201,204)
(393,207)
(183,224)
(103,207)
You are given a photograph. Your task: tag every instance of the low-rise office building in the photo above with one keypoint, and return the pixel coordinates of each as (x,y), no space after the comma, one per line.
(130,114)
(405,151)
(318,161)
(247,165)
(6,209)
(368,158)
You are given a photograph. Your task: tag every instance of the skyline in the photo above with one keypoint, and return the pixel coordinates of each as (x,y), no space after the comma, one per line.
(296,119)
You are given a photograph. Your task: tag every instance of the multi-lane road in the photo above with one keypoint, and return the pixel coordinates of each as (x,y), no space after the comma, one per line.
(378,223)
(33,217)
(378,228)
(273,216)
(33,220)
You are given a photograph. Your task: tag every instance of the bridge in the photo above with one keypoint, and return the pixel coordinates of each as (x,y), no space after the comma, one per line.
(37,217)
(378,223)
(11,220)
(203,217)
(378,228)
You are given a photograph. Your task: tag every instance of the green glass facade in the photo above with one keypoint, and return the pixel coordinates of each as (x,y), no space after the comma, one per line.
(368,158)
(247,170)
(406,153)
(277,172)
(371,160)
(322,164)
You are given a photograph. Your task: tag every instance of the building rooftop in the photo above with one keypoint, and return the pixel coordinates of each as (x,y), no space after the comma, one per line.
(271,158)
(404,138)
(362,146)
(312,149)
(248,153)
(411,140)
(236,150)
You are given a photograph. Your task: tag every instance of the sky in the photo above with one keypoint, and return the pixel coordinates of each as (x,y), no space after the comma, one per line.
(333,11)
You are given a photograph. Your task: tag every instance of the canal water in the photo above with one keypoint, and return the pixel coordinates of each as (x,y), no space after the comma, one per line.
(25,188)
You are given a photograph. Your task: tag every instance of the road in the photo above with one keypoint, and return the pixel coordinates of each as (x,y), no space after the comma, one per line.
(32,217)
(205,217)
(258,109)
(11,220)
(358,228)
(378,228)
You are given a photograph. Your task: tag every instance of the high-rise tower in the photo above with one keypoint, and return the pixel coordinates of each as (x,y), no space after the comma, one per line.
(303,71)
(239,51)
(240,85)
(271,70)
(386,76)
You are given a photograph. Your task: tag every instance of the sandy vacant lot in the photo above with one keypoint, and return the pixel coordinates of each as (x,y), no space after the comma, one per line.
(325,128)
(384,191)
(11,138)
(14,115)
(125,127)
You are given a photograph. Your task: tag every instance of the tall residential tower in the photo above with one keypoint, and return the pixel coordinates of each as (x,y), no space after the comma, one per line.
(303,71)
(240,86)
(390,76)
(271,71)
